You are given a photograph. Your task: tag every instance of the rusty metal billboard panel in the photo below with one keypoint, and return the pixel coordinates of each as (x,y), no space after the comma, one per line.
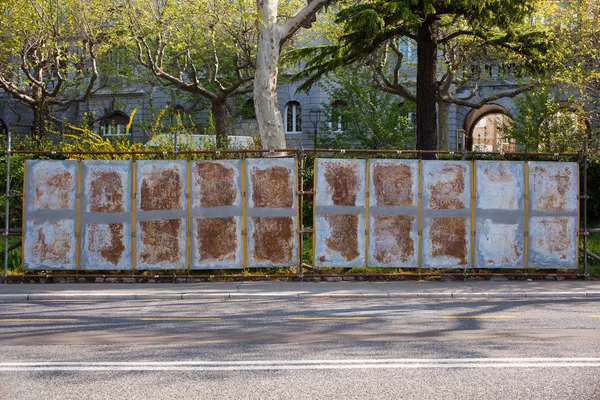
(340,240)
(271,212)
(553,187)
(340,213)
(553,242)
(447,242)
(50,214)
(499,244)
(500,185)
(106,199)
(50,244)
(161,215)
(393,213)
(500,214)
(553,212)
(393,241)
(446,185)
(216,225)
(106,246)
(446,208)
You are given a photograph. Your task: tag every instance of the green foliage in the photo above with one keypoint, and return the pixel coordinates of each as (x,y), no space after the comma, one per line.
(543,122)
(362,116)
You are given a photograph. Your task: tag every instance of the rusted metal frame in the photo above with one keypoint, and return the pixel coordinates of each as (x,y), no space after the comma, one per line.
(390,276)
(585,198)
(78,219)
(314,221)
(7,206)
(133,208)
(23,216)
(154,152)
(189,214)
(367,212)
(421,152)
(473,224)
(244,216)
(526,206)
(420,216)
(302,159)
(11,232)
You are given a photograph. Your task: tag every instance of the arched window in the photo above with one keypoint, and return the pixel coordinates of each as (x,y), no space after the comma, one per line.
(115,124)
(337,123)
(293,117)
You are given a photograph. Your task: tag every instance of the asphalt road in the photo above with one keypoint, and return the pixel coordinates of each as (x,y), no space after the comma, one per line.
(301,349)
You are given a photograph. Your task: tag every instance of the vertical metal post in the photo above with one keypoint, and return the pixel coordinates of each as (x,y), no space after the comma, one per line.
(585,197)
(7,207)
(302,157)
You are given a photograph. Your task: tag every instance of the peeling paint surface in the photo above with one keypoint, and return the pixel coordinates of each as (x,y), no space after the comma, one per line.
(500,185)
(499,245)
(553,186)
(271,183)
(553,242)
(54,184)
(393,241)
(106,246)
(340,240)
(341,182)
(447,242)
(218,243)
(215,184)
(273,241)
(271,212)
(161,185)
(393,183)
(50,244)
(447,185)
(162,244)
(106,186)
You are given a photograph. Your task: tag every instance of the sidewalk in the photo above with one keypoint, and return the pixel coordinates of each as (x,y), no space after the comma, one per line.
(300,290)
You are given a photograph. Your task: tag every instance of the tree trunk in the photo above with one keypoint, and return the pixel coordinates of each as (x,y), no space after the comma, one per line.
(270,123)
(41,116)
(219,113)
(427,84)
(443,125)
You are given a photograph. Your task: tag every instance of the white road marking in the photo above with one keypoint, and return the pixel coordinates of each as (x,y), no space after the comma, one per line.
(301,364)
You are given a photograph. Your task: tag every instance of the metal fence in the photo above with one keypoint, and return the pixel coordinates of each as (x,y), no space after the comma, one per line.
(236,214)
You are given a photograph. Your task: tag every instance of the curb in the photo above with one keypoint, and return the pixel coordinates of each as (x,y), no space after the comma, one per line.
(293,296)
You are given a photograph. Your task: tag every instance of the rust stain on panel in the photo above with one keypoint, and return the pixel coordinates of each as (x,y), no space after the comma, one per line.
(218,183)
(392,238)
(217,239)
(272,187)
(56,192)
(447,194)
(57,247)
(344,235)
(553,188)
(342,182)
(161,189)
(107,242)
(555,239)
(393,185)
(160,241)
(106,192)
(448,238)
(498,175)
(273,239)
